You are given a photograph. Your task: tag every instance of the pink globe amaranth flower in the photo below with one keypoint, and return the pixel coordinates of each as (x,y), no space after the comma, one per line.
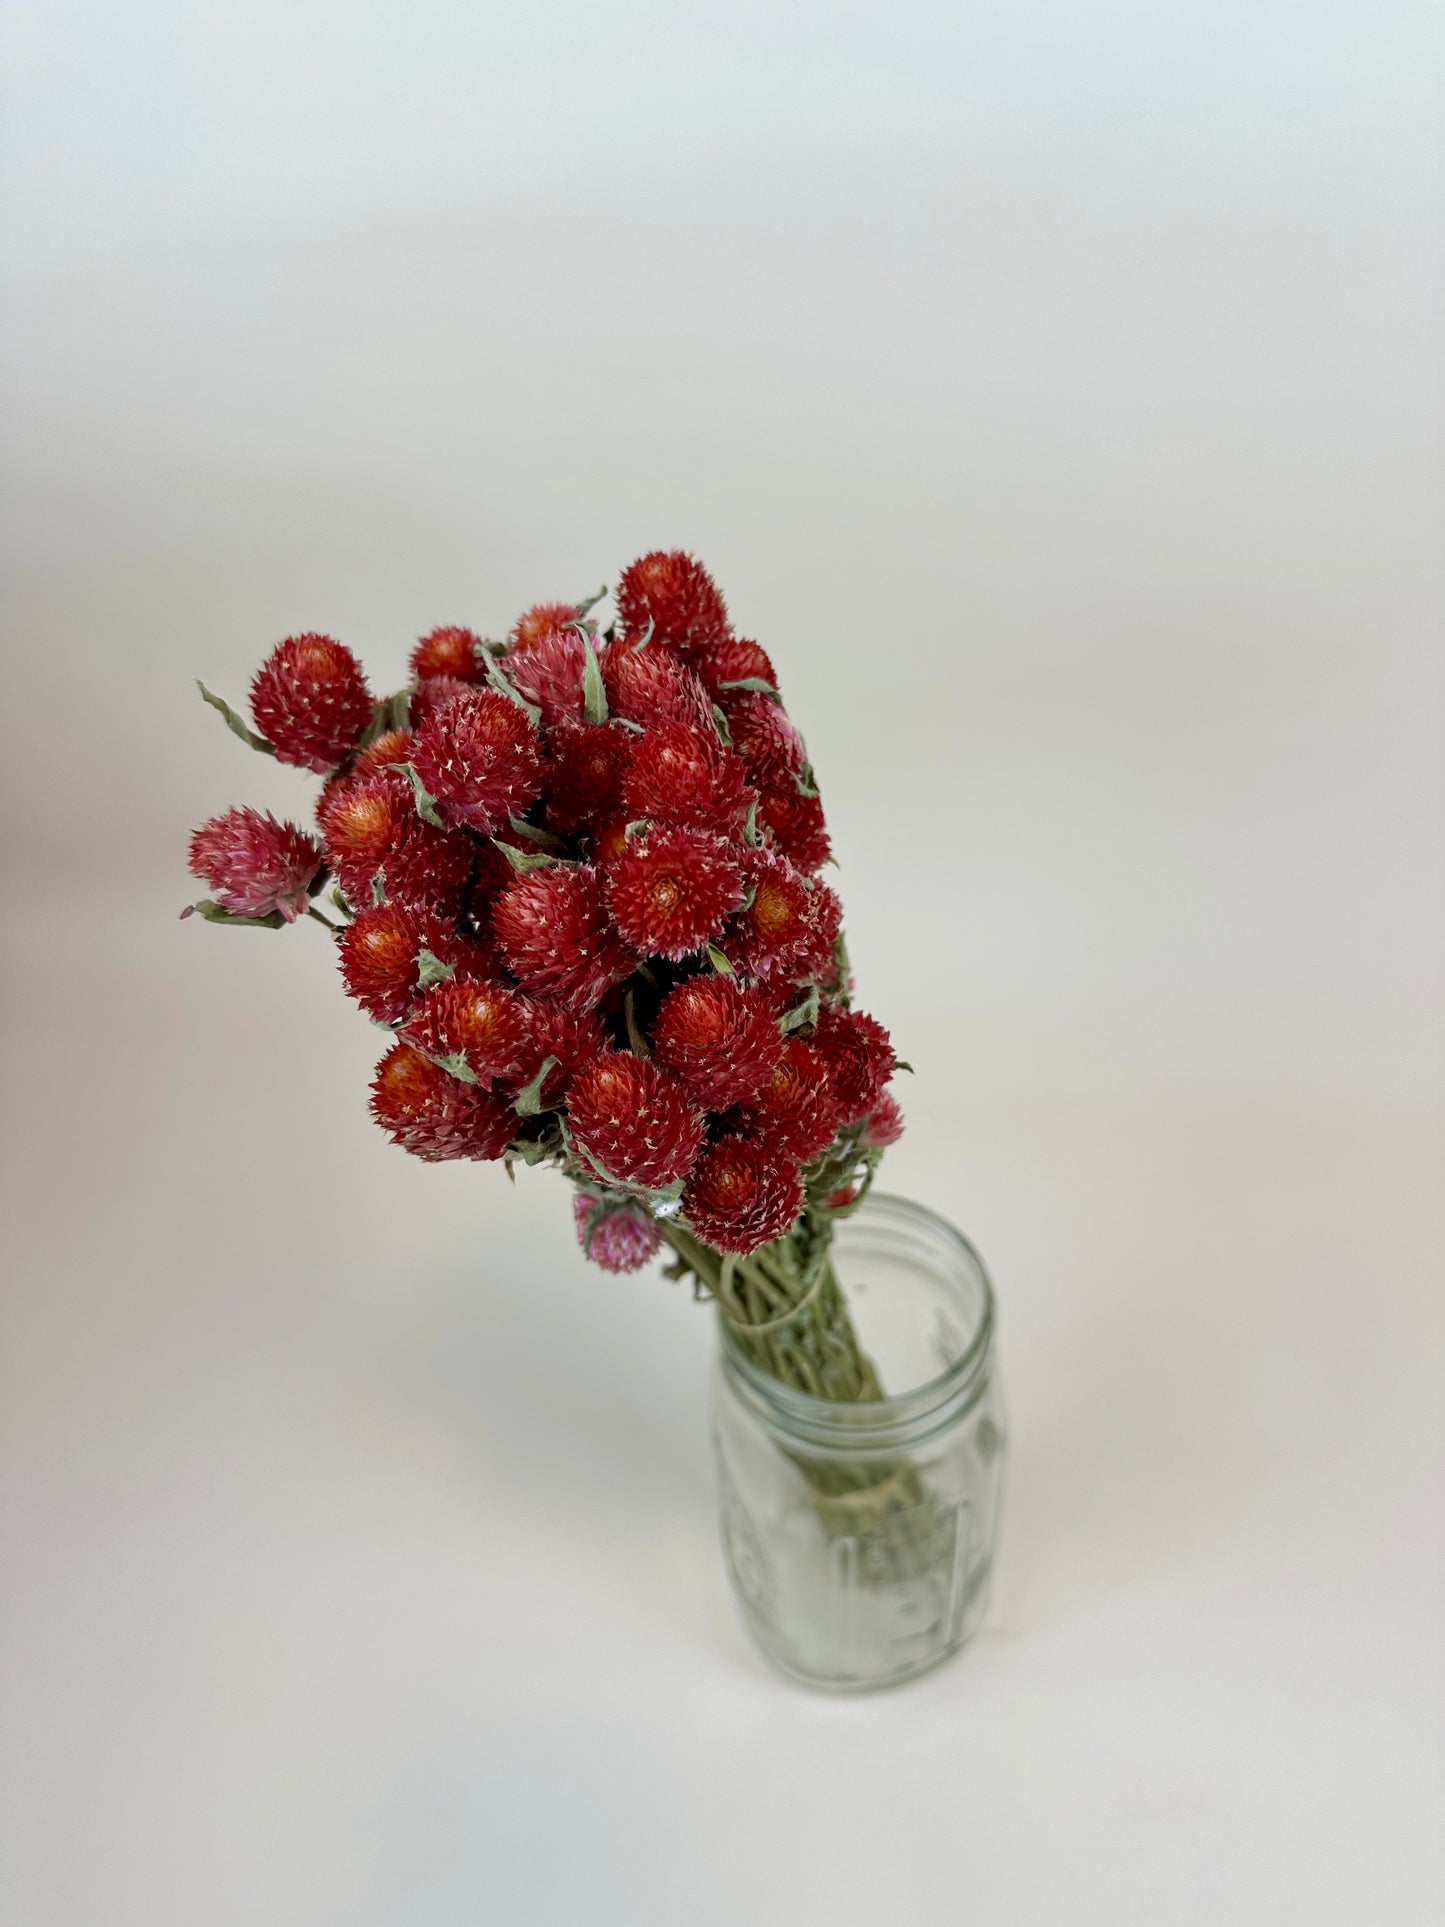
(310,701)
(859,1055)
(720,1038)
(254,864)
(648,685)
(795,825)
(584,776)
(618,1234)
(549,672)
(764,736)
(684,776)
(542,620)
(673,592)
(672,890)
(742,1194)
(552,928)
(480,758)
(449,651)
(634,1120)
(435,1116)
(885,1122)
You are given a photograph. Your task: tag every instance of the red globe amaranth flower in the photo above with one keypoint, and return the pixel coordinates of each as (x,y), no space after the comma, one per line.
(859,1055)
(840,1199)
(742,1194)
(434,1115)
(254,864)
(797,1109)
(671,891)
(764,736)
(545,619)
(675,593)
(481,1026)
(384,753)
(372,829)
(584,782)
(619,1235)
(553,931)
(549,673)
(310,701)
(680,775)
(449,651)
(480,757)
(378,955)
(430,696)
(777,935)
(885,1123)
(573,1037)
(733,660)
(648,685)
(794,823)
(722,1040)
(818,962)
(634,1120)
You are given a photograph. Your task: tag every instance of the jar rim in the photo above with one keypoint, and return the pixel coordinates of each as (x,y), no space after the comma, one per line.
(901,1416)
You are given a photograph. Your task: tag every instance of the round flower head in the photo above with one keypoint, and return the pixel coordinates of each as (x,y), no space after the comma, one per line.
(818,963)
(722,1040)
(796,1109)
(372,830)
(584,782)
(764,736)
(554,934)
(885,1122)
(572,1037)
(648,685)
(634,1120)
(545,619)
(449,651)
(742,1194)
(434,1115)
(379,952)
(476,1029)
(255,865)
(384,753)
(617,1234)
(479,756)
(429,696)
(794,824)
(734,660)
(549,673)
(776,936)
(676,595)
(681,775)
(859,1055)
(311,702)
(671,891)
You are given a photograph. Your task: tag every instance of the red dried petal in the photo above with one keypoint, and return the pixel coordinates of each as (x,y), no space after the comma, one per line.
(675,593)
(885,1122)
(795,825)
(483,1024)
(573,1037)
(428,697)
(434,1115)
(545,619)
(378,955)
(764,736)
(480,757)
(672,890)
(584,781)
(797,1109)
(777,935)
(733,660)
(553,931)
(450,651)
(859,1055)
(648,685)
(680,775)
(721,1039)
(549,672)
(254,864)
(384,753)
(742,1194)
(310,701)
(634,1119)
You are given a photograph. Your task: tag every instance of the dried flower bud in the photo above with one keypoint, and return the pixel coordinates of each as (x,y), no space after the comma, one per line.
(255,865)
(311,702)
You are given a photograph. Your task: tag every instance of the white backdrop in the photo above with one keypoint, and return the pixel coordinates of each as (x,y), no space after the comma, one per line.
(1056,392)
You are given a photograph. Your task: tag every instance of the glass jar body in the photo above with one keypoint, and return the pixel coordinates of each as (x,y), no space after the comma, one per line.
(860,1537)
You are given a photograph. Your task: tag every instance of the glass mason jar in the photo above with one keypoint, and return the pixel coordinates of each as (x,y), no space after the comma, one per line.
(859,1537)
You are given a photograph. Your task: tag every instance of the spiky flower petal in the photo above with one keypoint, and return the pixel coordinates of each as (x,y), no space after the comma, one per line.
(584,781)
(797,1109)
(429,696)
(616,1233)
(859,1055)
(434,1115)
(545,619)
(648,685)
(794,824)
(449,651)
(742,1194)
(672,890)
(480,757)
(310,701)
(549,672)
(254,864)
(722,1040)
(764,736)
(553,931)
(885,1122)
(634,1120)
(680,775)
(384,753)
(777,935)
(379,952)
(477,1027)
(572,1037)
(671,590)
(372,831)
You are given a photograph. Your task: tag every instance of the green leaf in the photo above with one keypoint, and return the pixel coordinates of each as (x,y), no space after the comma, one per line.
(426,807)
(805,781)
(593,694)
(759,683)
(535,834)
(458,1066)
(584,608)
(499,681)
(751,833)
(528,1101)
(803,1013)
(901,1064)
(213,913)
(378,888)
(234,723)
(725,735)
(637,827)
(342,905)
(378,726)
(719,962)
(431,970)
(626,722)
(524,860)
(401,707)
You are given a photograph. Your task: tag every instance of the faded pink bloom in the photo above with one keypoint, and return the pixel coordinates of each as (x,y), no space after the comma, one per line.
(254,864)
(623,1237)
